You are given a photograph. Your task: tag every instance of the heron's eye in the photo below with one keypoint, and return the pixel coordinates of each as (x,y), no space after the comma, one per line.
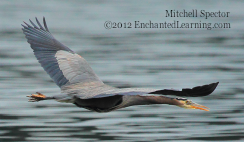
(188,102)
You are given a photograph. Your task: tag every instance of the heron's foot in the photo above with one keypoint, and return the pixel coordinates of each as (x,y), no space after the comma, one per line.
(36,97)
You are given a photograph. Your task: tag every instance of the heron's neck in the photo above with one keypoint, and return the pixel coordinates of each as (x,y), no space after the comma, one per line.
(161,100)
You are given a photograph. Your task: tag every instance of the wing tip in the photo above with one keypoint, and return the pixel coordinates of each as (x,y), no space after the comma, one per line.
(36,27)
(45,24)
(213,86)
(203,90)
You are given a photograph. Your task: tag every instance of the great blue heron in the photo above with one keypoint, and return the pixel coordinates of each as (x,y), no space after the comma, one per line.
(81,86)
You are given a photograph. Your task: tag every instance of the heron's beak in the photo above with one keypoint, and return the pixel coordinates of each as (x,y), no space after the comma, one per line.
(197,106)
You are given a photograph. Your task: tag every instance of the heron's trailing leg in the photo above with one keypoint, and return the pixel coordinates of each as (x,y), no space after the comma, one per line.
(38,97)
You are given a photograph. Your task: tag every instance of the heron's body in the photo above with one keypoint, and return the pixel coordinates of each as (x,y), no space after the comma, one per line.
(82,87)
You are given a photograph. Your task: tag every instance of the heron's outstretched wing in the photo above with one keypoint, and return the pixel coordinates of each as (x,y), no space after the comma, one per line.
(198,91)
(63,65)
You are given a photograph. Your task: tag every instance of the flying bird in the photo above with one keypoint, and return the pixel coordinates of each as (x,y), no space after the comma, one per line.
(81,86)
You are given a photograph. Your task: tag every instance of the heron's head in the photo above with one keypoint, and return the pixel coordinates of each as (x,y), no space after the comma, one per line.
(188,104)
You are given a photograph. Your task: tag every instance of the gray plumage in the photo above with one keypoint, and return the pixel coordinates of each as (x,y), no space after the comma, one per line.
(81,86)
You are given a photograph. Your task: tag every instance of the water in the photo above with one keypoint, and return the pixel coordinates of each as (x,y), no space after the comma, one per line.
(155,58)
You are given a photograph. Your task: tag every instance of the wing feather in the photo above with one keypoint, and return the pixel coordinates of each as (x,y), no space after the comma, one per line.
(197,91)
(63,65)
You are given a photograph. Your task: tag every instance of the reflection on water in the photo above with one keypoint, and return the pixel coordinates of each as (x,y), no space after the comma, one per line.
(122,58)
